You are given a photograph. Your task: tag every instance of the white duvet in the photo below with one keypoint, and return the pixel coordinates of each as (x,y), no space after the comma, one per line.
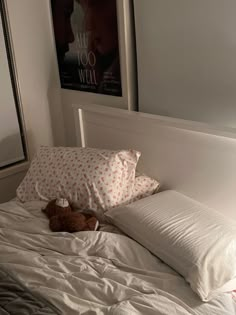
(94,272)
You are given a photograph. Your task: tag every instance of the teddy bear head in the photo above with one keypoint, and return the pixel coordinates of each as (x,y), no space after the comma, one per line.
(56,207)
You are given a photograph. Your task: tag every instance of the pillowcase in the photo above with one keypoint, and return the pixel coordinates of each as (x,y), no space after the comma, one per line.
(91,178)
(144,186)
(196,241)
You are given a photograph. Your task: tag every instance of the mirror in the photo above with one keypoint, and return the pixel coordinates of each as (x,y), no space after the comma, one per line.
(12,144)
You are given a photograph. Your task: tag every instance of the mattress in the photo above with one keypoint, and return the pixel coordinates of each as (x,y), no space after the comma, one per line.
(102,272)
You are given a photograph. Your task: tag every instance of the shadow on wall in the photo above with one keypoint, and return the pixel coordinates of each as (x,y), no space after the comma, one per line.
(9,184)
(11,150)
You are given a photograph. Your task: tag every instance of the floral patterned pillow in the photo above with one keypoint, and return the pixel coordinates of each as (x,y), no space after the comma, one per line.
(144,186)
(92,178)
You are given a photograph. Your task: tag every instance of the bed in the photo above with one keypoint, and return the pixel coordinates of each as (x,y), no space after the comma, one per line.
(106,271)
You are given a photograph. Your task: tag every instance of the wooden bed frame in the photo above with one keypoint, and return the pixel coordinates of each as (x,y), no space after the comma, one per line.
(189,157)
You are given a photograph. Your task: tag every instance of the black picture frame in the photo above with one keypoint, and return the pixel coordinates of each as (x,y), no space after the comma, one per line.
(87,67)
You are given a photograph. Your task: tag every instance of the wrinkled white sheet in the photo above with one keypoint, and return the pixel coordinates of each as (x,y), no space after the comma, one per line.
(94,272)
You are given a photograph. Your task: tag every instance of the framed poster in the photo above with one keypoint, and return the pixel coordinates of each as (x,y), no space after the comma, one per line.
(87,44)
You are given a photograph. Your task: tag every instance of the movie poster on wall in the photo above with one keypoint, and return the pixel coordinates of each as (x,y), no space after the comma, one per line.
(87,44)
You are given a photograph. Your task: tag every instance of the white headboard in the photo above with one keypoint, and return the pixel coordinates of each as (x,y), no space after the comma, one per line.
(185,156)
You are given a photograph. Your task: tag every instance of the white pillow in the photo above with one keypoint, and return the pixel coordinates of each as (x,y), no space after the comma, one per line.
(92,178)
(196,241)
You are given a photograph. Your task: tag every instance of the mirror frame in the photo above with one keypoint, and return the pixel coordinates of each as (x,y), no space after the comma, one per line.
(14,81)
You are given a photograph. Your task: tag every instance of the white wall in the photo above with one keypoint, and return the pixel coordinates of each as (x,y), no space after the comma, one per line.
(186,59)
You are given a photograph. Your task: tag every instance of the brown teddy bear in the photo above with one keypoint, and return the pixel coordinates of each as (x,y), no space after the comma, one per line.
(63,219)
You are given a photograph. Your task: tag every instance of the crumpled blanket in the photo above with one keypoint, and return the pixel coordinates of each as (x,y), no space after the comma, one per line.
(93,272)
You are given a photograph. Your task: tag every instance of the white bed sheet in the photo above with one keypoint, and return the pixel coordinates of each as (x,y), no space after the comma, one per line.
(94,272)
